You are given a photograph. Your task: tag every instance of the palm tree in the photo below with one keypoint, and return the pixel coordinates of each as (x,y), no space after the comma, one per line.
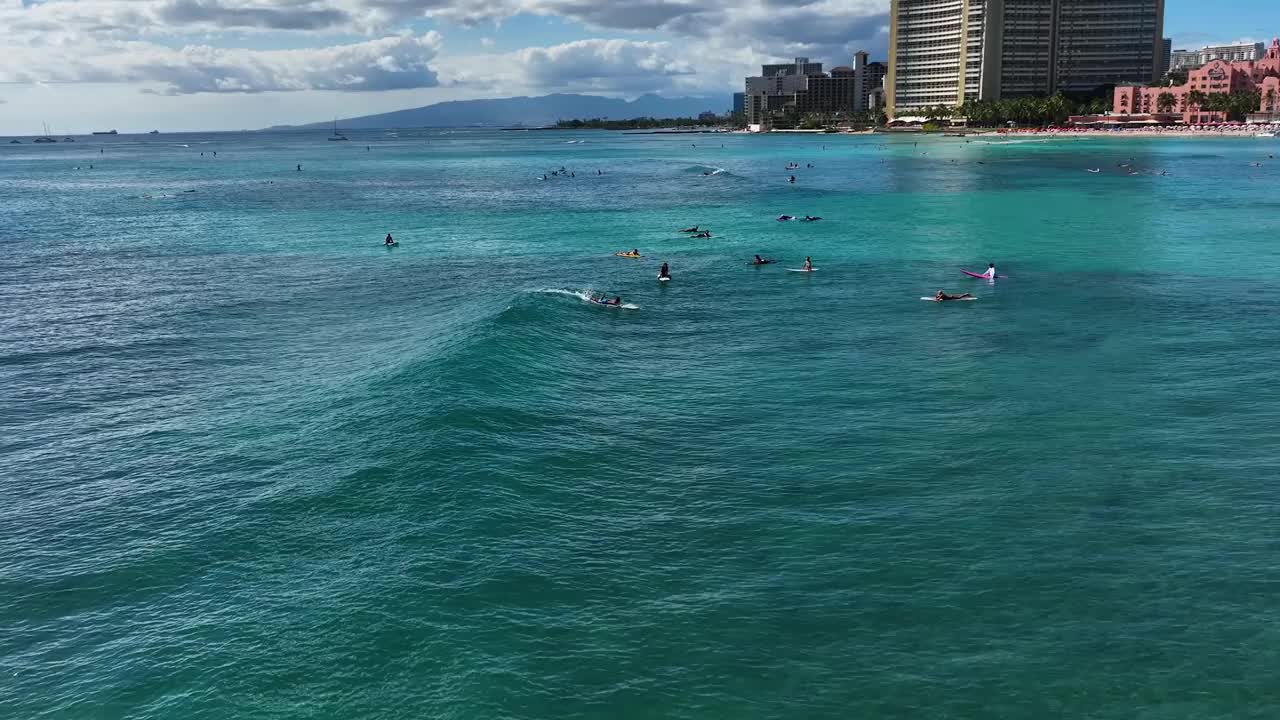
(1196,99)
(1165,102)
(1056,108)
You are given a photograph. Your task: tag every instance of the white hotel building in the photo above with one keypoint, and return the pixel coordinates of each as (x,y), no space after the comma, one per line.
(943,52)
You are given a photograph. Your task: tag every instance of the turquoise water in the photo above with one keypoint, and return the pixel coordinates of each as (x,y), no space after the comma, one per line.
(256,465)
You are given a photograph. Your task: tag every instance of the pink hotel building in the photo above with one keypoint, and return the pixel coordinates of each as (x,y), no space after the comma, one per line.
(1218,76)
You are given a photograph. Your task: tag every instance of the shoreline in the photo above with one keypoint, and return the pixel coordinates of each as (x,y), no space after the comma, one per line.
(1242,132)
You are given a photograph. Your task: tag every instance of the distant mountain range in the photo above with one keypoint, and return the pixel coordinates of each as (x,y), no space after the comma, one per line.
(529,112)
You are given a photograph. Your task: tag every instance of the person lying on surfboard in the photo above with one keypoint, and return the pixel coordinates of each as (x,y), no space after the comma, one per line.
(702,235)
(761,261)
(691,229)
(942,296)
(602,300)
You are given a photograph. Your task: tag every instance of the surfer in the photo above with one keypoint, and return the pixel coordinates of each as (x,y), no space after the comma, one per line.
(808,264)
(990,274)
(761,261)
(942,296)
(602,300)
(389,241)
(299,167)
(784,218)
(702,235)
(664,273)
(811,218)
(793,179)
(693,229)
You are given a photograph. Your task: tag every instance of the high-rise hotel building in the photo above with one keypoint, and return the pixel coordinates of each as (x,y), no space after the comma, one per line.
(943,52)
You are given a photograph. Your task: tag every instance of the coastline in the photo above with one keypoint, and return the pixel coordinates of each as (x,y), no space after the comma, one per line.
(1241,132)
(1235,132)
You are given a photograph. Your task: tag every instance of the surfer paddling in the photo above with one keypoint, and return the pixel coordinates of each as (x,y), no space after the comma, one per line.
(943,297)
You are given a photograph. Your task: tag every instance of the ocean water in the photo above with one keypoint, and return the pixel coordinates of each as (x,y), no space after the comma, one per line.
(255,465)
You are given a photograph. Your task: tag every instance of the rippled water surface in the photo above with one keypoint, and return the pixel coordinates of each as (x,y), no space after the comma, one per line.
(255,465)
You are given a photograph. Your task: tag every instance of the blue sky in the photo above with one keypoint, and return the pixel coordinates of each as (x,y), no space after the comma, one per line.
(135,65)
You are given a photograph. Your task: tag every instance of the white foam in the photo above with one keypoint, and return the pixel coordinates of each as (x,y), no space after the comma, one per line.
(584,296)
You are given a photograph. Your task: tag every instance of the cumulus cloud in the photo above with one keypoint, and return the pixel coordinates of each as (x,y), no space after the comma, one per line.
(601,66)
(713,43)
(806,22)
(288,16)
(589,63)
(390,63)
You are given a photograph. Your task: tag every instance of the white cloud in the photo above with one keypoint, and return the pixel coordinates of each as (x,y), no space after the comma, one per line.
(389,63)
(601,66)
(808,23)
(712,43)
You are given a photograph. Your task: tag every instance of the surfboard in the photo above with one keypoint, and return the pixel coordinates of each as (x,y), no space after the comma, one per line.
(933,299)
(628,255)
(665,278)
(801,270)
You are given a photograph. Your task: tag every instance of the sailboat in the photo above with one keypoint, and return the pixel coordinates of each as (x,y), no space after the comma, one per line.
(46,138)
(336,135)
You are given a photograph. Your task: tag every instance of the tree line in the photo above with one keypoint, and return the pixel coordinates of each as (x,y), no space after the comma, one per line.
(646,123)
(1055,109)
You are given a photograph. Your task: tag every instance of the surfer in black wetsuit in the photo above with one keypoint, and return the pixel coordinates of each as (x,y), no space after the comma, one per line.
(389,240)
(760,261)
(664,272)
(942,296)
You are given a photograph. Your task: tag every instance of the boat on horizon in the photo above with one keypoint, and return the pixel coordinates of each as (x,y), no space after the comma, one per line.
(154,132)
(46,137)
(105,132)
(336,135)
